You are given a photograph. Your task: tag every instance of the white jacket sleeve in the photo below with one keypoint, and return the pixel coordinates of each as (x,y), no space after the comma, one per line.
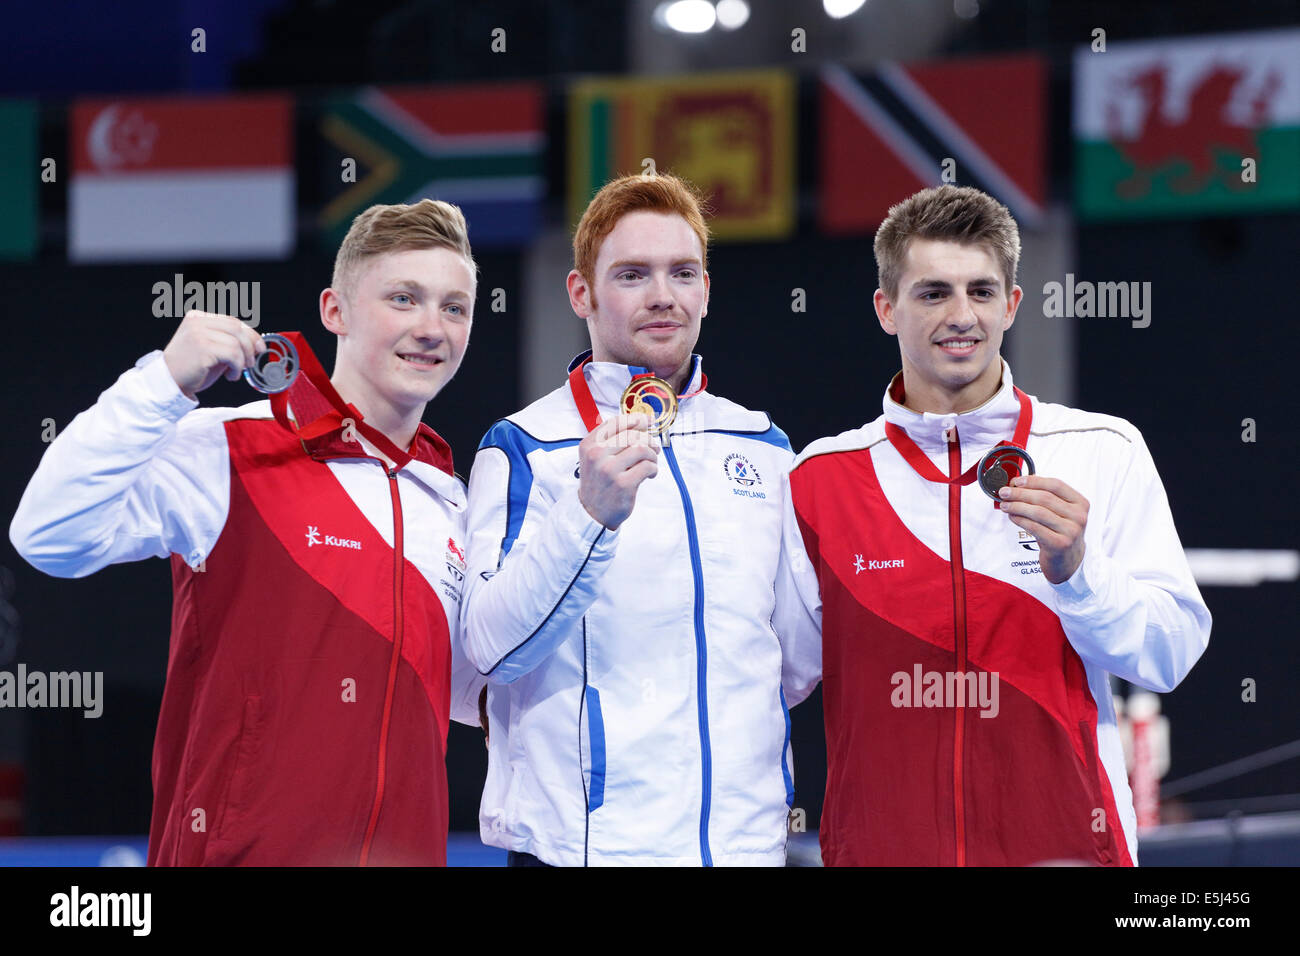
(797,618)
(466,684)
(535,565)
(126,480)
(1132,606)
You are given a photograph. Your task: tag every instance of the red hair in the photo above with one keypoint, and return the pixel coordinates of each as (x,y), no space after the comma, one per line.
(662,192)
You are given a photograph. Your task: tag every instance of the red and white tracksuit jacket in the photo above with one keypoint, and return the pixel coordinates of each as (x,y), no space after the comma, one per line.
(304,717)
(969,716)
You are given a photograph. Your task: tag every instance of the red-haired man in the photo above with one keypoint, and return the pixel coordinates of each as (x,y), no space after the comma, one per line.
(621,591)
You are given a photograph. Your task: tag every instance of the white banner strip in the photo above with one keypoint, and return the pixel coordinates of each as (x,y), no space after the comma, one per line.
(1239,568)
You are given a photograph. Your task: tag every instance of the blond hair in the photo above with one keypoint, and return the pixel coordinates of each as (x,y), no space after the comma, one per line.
(427,224)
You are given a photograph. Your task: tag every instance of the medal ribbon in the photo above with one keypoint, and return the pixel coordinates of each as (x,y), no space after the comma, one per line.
(924,467)
(320,409)
(581,392)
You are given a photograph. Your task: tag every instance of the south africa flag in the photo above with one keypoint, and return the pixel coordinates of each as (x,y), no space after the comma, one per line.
(480,147)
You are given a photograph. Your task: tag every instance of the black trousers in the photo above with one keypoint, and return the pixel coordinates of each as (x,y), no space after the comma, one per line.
(522,859)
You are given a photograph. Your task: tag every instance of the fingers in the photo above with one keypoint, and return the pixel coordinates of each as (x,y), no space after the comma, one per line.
(614,459)
(638,471)
(248,348)
(623,431)
(1047,536)
(612,426)
(208,346)
(1044,514)
(1049,494)
(1054,486)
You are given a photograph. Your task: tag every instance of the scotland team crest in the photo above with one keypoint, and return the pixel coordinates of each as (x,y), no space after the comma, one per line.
(739,469)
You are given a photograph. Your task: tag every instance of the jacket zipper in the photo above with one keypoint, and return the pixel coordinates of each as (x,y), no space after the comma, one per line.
(398,562)
(702,660)
(959,634)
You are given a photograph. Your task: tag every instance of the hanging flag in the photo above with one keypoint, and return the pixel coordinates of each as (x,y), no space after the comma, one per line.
(730,134)
(480,147)
(20,176)
(885,135)
(1188,127)
(181,178)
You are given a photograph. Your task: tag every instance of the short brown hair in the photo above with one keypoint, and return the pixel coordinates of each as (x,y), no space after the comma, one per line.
(662,192)
(953,213)
(427,224)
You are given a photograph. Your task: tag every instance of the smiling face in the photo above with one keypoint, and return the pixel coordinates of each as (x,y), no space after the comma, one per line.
(647,295)
(951,310)
(403,326)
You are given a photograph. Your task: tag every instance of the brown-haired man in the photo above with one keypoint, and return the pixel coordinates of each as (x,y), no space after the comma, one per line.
(621,594)
(313,542)
(966,641)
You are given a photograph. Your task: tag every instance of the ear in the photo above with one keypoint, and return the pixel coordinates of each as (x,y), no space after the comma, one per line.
(580,297)
(705,309)
(884,312)
(1013,303)
(331,311)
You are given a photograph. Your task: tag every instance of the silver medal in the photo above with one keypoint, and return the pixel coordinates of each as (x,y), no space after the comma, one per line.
(276,368)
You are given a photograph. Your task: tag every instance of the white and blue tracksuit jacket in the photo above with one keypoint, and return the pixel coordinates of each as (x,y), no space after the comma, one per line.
(635,696)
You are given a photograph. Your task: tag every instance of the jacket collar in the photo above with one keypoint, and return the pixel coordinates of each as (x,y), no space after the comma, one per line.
(607,380)
(990,423)
(428,447)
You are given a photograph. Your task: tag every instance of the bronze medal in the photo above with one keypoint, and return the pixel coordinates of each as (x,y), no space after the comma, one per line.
(999,465)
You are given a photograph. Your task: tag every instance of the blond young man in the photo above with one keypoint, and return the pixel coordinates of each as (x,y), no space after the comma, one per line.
(313,542)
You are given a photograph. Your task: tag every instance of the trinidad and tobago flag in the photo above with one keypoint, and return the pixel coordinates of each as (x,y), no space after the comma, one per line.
(480,147)
(888,134)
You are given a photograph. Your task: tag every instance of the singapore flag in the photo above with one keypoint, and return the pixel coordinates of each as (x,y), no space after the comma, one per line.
(182,178)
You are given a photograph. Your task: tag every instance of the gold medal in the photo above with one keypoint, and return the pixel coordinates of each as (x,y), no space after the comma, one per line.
(651,396)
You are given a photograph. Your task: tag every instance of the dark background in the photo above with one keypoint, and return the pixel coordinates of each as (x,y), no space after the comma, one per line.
(1218,350)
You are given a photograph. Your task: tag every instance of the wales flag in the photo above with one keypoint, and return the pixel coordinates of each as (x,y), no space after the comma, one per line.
(1188,127)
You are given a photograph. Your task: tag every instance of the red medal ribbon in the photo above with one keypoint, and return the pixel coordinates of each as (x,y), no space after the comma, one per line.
(320,410)
(581,392)
(924,467)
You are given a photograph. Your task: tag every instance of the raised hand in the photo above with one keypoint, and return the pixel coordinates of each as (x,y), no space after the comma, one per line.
(613,460)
